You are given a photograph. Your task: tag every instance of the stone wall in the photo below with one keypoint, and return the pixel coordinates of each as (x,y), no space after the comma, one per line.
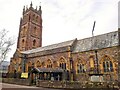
(65,84)
(54,58)
(77,85)
(84,57)
(16,81)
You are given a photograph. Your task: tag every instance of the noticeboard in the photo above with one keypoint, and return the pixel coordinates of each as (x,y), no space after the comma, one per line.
(24,75)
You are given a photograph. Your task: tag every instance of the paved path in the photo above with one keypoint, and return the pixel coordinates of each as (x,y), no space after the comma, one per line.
(11,86)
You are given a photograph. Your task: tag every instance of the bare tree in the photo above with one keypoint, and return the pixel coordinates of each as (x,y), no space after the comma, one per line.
(5,44)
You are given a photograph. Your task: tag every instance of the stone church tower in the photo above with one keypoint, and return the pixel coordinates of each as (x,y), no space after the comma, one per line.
(30,29)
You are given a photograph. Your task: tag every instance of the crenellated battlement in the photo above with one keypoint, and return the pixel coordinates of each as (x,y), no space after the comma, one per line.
(26,9)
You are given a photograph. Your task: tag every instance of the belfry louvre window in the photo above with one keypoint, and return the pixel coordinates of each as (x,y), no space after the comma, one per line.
(23,41)
(34,42)
(36,18)
(108,66)
(80,68)
(35,31)
(33,17)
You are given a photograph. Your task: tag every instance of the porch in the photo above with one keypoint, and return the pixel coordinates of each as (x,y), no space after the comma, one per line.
(48,74)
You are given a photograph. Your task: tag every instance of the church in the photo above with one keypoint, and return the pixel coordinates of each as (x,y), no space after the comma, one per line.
(72,60)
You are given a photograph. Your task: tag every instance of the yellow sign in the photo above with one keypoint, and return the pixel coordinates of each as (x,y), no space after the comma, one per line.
(24,75)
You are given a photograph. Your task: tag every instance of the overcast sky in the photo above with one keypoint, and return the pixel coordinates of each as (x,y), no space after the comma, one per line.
(62,19)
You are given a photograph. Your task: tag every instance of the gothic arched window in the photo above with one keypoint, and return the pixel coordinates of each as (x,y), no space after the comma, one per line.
(104,66)
(107,65)
(33,16)
(23,42)
(111,66)
(24,31)
(36,18)
(34,42)
(80,68)
(38,64)
(49,63)
(62,63)
(35,30)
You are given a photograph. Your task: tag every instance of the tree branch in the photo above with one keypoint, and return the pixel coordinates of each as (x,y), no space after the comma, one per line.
(5,45)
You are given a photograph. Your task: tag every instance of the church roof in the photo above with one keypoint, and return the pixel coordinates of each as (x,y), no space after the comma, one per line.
(52,47)
(40,70)
(97,42)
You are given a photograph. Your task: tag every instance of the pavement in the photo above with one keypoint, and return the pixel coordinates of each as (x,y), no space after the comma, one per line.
(6,86)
